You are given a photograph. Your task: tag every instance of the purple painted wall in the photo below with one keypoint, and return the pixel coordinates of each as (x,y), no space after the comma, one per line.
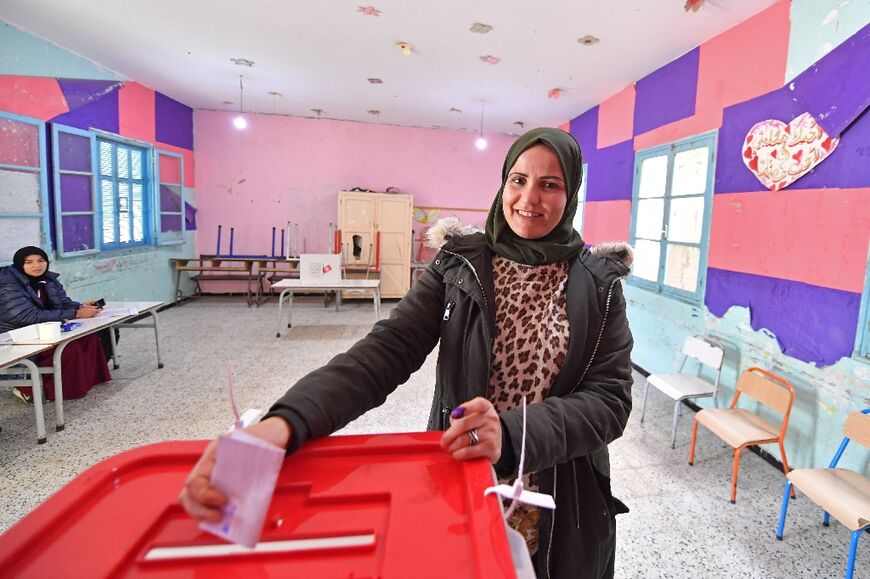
(834,90)
(173,122)
(611,172)
(668,94)
(811,323)
(92,103)
(585,129)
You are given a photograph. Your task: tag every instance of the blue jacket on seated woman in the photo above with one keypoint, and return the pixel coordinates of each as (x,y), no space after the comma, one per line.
(20,305)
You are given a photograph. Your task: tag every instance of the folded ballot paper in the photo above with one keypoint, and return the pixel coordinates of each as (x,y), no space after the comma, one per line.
(246,470)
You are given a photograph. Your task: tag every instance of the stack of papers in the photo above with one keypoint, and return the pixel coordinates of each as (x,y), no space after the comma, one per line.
(117,313)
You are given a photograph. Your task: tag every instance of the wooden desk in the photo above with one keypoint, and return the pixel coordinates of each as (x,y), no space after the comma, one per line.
(210,268)
(18,355)
(90,326)
(288,286)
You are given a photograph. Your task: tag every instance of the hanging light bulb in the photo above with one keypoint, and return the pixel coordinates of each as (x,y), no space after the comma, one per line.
(480,143)
(240,122)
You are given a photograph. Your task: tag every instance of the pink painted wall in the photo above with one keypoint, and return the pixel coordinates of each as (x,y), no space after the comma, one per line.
(31,96)
(606,221)
(286,168)
(616,118)
(743,62)
(815,236)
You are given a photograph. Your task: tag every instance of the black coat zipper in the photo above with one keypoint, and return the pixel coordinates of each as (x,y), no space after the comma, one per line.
(582,376)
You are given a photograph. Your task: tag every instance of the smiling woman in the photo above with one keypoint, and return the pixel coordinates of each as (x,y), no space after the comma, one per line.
(510,328)
(534,195)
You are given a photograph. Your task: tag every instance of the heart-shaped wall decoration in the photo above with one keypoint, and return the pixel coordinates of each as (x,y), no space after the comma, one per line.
(779,154)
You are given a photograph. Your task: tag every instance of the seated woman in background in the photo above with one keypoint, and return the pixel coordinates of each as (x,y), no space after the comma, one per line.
(30,294)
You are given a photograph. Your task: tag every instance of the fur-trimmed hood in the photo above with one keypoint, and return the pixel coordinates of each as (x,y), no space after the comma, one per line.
(438,234)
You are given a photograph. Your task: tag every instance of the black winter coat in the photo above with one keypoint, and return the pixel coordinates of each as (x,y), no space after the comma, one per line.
(568,433)
(20,306)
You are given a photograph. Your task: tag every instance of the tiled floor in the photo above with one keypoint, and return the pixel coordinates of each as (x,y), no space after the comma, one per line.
(681,522)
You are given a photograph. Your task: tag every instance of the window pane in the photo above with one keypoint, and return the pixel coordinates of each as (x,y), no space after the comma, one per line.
(653,177)
(690,172)
(681,267)
(107,196)
(105,158)
(75,193)
(17,232)
(123,162)
(19,143)
(19,192)
(78,233)
(646,259)
(686,219)
(170,199)
(170,223)
(124,210)
(136,162)
(650,213)
(138,213)
(74,152)
(170,169)
(578,218)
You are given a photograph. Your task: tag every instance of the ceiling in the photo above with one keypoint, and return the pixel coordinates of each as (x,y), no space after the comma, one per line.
(320,54)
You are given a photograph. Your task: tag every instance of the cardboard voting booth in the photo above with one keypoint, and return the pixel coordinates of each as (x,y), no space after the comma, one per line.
(323,267)
(390,506)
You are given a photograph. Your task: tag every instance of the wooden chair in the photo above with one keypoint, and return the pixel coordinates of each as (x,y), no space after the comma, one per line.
(839,491)
(740,428)
(680,386)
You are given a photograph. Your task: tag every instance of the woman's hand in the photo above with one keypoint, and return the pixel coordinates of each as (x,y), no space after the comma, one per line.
(478,419)
(201,500)
(87,311)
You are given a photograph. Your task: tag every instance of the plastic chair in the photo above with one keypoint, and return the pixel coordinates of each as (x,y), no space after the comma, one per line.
(839,491)
(740,428)
(681,386)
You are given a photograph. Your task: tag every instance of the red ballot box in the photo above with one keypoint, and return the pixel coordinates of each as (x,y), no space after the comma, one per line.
(391,506)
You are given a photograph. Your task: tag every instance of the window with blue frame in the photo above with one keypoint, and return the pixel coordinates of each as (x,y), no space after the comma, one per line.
(23,185)
(114,193)
(124,186)
(670,217)
(581,200)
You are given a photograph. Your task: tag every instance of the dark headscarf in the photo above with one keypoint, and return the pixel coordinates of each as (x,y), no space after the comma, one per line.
(36,282)
(561,244)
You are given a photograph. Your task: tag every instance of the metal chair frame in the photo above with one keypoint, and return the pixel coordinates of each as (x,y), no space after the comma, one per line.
(678,404)
(826,519)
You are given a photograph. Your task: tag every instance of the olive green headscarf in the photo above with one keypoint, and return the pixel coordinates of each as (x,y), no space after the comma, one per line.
(561,244)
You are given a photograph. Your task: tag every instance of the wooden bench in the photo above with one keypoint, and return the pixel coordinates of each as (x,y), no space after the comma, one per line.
(213,268)
(275,270)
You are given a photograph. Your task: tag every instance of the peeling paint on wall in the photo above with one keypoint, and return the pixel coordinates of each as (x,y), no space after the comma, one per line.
(824,395)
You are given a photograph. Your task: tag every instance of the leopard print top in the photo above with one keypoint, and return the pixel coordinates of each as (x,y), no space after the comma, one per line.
(530,346)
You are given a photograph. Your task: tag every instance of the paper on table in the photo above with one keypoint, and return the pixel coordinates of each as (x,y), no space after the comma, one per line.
(117,313)
(246,470)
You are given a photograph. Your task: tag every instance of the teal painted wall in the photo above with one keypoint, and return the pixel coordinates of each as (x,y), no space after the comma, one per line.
(139,274)
(23,54)
(817,26)
(824,395)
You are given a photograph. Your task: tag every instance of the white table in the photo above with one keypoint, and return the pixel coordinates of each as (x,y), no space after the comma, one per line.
(90,326)
(289,286)
(18,355)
